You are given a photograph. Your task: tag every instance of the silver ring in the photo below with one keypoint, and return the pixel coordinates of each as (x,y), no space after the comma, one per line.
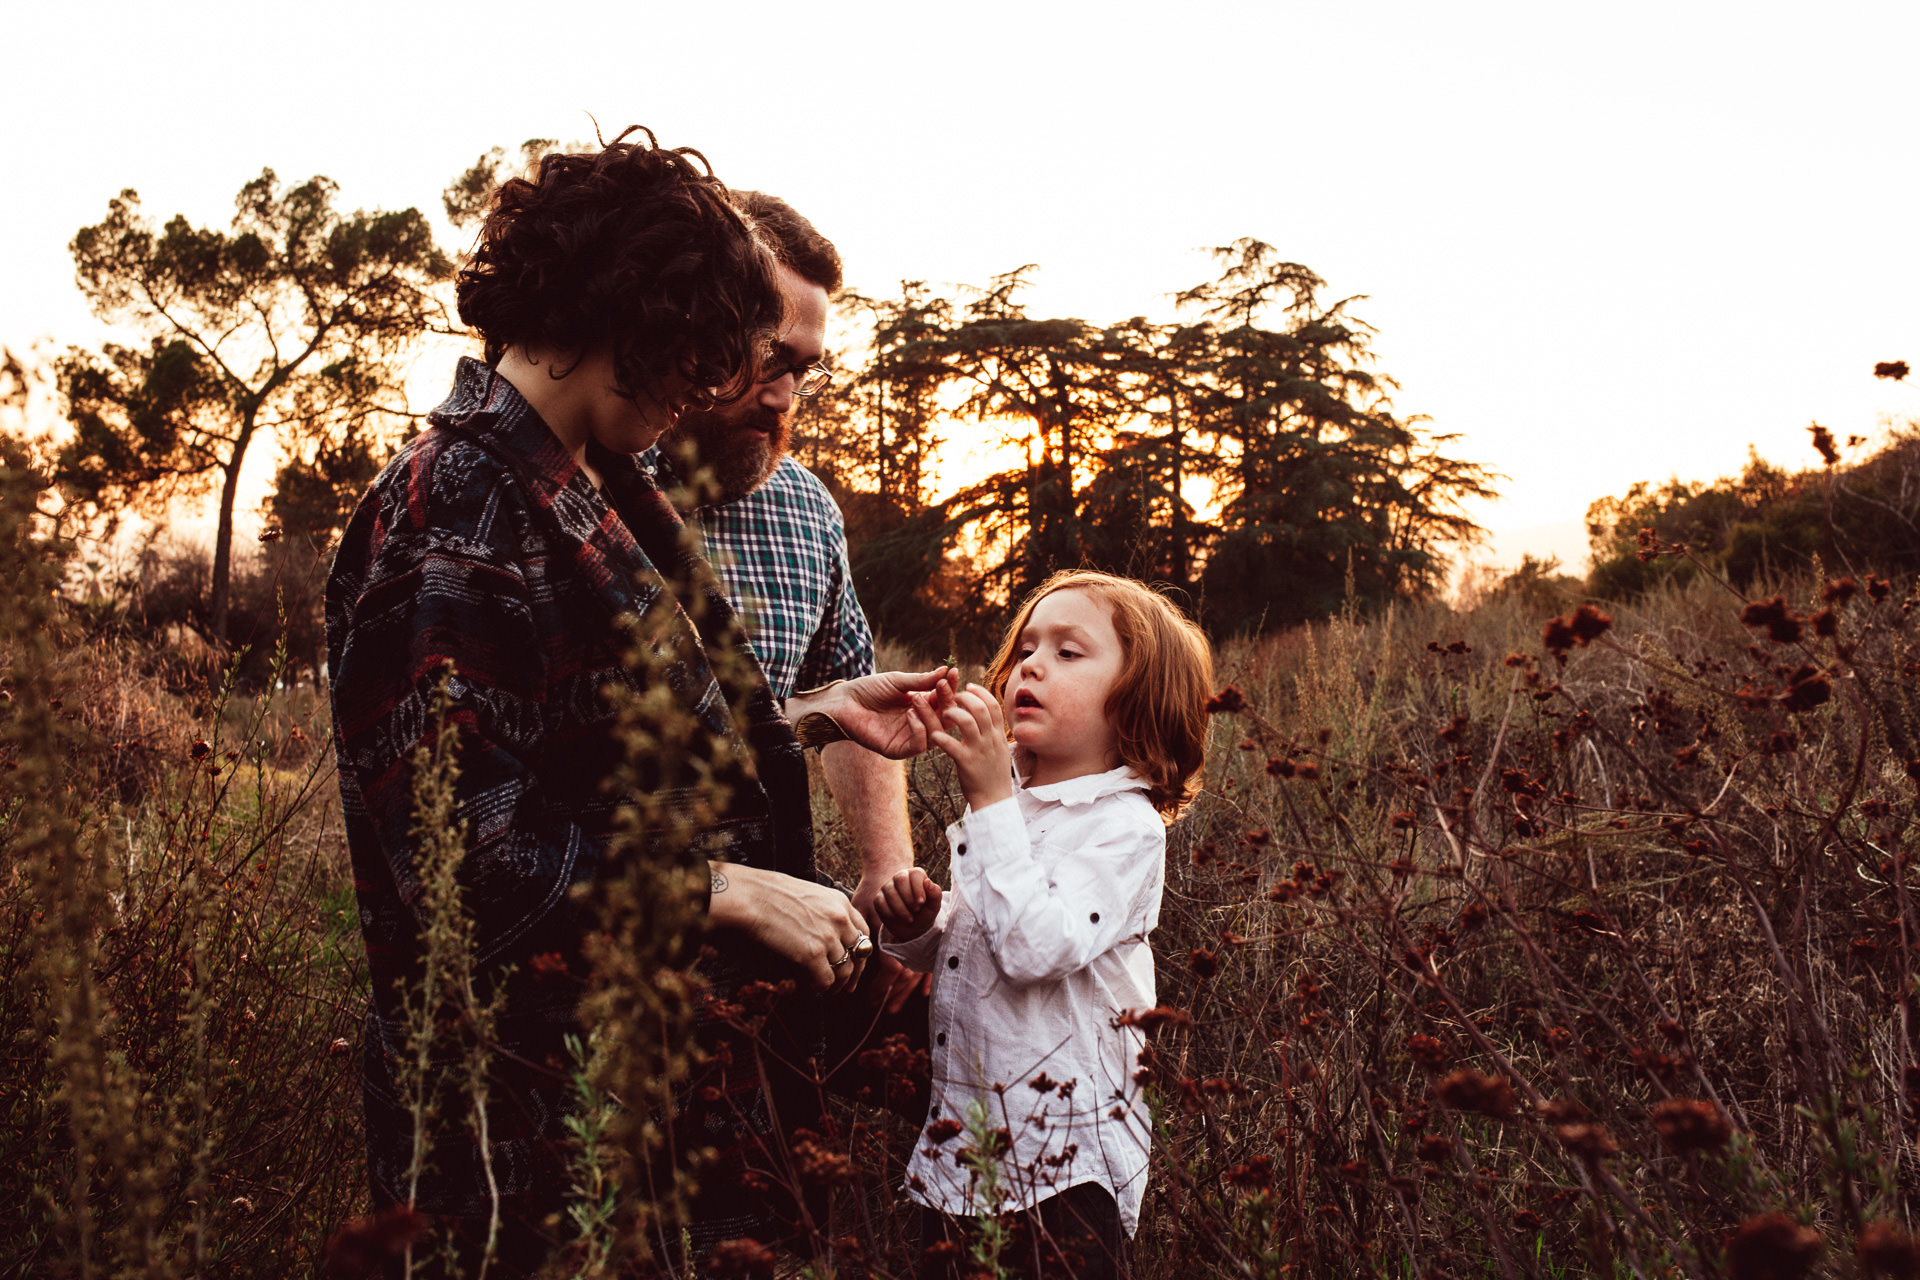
(861,948)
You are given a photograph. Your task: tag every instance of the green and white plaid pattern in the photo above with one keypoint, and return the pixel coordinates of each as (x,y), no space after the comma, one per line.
(781,553)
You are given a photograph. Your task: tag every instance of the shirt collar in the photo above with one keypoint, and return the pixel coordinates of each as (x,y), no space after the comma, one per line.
(1088,787)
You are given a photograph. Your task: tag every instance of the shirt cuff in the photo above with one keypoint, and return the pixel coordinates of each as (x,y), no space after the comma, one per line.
(918,953)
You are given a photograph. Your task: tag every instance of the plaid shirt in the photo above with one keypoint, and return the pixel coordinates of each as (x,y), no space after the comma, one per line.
(781,553)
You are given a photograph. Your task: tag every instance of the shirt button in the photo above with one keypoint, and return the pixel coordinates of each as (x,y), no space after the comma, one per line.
(940,1039)
(962,850)
(1095,917)
(953,962)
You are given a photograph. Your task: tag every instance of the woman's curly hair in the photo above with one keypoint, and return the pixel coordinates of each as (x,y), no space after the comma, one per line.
(637,246)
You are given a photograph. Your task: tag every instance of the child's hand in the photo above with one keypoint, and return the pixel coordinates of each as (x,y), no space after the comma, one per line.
(907,905)
(973,732)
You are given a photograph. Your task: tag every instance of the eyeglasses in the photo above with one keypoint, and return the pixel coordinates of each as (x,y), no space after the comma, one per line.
(808,379)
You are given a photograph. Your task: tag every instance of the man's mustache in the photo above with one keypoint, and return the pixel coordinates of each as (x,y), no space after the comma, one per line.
(758,417)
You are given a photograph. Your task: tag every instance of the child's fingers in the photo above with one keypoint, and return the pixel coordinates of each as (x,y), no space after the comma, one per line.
(975,704)
(996,716)
(958,717)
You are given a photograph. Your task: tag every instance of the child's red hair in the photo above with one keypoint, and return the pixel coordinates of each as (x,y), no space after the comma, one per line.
(1158,707)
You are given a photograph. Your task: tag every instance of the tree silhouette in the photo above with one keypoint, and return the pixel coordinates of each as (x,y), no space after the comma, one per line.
(1063,383)
(1323,491)
(294,321)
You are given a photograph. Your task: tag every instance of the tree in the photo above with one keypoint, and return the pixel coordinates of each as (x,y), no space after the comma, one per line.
(1064,382)
(1323,491)
(292,322)
(1136,515)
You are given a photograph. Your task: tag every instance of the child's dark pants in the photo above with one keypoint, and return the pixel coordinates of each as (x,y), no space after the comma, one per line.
(1074,1234)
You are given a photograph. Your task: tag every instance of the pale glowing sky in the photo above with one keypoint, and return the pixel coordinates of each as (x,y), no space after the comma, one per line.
(1602,243)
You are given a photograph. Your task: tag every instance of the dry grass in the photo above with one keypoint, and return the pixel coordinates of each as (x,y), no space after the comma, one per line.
(1475,961)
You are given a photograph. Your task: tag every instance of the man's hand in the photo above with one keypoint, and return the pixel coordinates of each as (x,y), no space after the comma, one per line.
(810,924)
(908,905)
(973,732)
(875,710)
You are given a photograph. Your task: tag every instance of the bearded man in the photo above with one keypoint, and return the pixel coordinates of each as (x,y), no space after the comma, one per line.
(776,537)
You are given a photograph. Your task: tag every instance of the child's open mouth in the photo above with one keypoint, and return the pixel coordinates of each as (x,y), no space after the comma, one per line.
(1025,699)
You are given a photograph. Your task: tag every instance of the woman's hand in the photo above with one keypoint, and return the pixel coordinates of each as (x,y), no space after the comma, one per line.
(907,905)
(877,710)
(974,733)
(810,924)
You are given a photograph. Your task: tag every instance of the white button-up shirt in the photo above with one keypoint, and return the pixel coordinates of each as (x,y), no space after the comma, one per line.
(1039,946)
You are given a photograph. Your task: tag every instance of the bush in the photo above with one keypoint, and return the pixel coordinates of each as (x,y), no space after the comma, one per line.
(180,954)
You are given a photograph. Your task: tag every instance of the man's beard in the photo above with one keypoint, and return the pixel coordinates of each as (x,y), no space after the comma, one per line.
(737,457)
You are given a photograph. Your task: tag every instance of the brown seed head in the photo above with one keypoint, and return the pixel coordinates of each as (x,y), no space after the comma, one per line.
(1782,623)
(1885,1249)
(742,1259)
(1228,700)
(1427,1051)
(1590,1142)
(943,1130)
(1467,1090)
(1691,1124)
(1255,1175)
(1772,1246)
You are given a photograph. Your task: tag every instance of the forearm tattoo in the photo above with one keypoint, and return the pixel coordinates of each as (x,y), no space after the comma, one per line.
(719,881)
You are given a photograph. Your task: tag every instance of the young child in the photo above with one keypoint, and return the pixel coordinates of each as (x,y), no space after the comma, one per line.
(1041,943)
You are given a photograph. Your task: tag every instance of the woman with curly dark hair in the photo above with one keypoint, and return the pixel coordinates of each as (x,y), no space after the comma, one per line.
(510,540)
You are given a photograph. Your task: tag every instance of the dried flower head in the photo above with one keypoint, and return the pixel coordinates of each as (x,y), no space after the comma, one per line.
(942,1130)
(1427,1050)
(1255,1175)
(1468,1090)
(741,1259)
(1807,688)
(1152,1020)
(1691,1124)
(1228,700)
(1585,626)
(1885,1249)
(1772,1246)
(1590,1142)
(363,1246)
(1782,623)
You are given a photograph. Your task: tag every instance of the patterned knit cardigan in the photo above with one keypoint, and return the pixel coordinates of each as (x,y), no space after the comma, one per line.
(483,544)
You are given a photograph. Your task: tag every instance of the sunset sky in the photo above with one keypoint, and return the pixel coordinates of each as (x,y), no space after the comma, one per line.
(1601,244)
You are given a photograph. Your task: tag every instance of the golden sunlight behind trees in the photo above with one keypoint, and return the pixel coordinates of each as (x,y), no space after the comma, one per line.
(293,322)
(1261,400)
(1265,397)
